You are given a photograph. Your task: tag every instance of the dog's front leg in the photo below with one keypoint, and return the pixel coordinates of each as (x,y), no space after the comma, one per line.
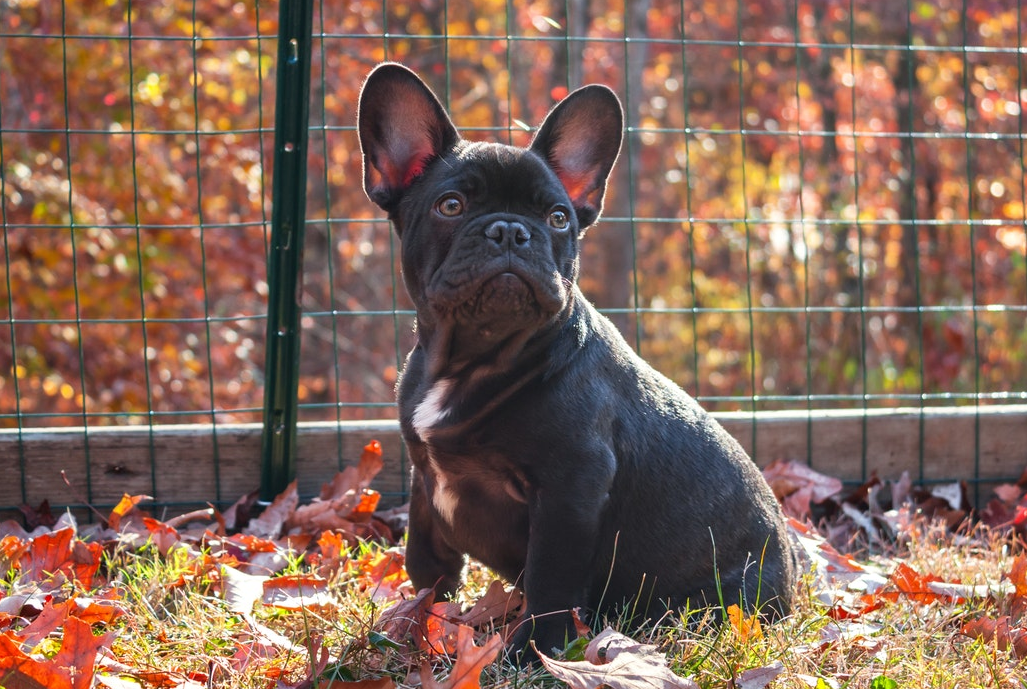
(565,513)
(430,561)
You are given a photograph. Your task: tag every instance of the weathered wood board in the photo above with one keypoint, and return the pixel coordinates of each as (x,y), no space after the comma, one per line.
(190,465)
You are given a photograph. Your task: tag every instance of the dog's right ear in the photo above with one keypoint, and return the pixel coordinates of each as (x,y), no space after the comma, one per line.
(403,127)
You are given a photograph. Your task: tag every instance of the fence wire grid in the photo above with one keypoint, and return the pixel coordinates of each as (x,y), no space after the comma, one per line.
(819,205)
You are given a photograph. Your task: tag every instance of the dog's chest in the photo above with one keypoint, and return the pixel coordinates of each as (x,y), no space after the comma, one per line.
(460,486)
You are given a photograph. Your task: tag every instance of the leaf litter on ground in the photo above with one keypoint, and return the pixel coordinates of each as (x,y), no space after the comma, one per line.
(316,596)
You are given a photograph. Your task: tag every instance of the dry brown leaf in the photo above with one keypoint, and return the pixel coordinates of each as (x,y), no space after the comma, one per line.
(380,683)
(271,521)
(494,606)
(241,590)
(405,620)
(759,677)
(1001,632)
(345,499)
(609,643)
(629,666)
(796,485)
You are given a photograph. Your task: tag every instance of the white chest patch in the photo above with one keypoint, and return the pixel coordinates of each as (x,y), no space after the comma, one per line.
(444,498)
(432,409)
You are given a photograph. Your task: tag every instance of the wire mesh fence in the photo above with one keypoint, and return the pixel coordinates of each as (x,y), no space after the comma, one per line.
(820,205)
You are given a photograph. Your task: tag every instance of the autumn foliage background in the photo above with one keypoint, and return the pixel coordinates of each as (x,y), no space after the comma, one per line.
(820,203)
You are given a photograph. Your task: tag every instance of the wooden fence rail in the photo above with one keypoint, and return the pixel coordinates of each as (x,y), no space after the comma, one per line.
(186,465)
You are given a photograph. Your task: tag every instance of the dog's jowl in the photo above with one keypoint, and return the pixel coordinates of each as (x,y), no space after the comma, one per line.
(541,444)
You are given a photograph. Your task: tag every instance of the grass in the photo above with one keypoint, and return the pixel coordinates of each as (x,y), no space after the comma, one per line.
(178,625)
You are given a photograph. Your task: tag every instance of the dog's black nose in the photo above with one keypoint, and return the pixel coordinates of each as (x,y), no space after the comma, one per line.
(508,233)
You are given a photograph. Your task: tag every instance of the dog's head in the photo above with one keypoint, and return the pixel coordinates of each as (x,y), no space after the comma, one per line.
(489,232)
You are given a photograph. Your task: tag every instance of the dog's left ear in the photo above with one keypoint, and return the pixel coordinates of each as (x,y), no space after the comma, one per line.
(580,139)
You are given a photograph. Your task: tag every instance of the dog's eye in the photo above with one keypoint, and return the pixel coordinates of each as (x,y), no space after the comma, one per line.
(450,206)
(559,219)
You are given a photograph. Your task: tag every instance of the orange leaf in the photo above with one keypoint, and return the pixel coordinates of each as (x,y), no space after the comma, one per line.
(745,627)
(1018,576)
(126,505)
(71,668)
(97,610)
(439,633)
(11,550)
(47,553)
(332,545)
(376,565)
(470,661)
(58,551)
(366,507)
(370,462)
(253,544)
(162,535)
(914,585)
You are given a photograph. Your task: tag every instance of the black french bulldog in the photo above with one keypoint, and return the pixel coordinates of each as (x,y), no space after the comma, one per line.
(541,444)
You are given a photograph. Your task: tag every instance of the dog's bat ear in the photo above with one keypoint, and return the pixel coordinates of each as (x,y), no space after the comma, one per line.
(580,139)
(403,127)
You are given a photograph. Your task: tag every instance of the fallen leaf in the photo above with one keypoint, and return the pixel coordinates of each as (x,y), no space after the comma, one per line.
(37,516)
(382,573)
(405,621)
(298,592)
(609,643)
(365,507)
(746,627)
(1001,632)
(759,677)
(163,536)
(640,667)
(496,604)
(797,485)
(72,667)
(59,552)
(470,661)
(124,507)
(380,683)
(241,590)
(850,635)
(332,545)
(1017,575)
(52,616)
(440,632)
(913,585)
(271,521)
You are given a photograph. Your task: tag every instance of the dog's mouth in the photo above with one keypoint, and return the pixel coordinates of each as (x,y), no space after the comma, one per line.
(506,295)
(500,300)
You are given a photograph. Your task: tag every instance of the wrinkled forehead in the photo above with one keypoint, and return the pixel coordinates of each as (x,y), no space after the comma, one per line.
(502,169)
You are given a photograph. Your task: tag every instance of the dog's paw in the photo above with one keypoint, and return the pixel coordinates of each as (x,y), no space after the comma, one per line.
(546,634)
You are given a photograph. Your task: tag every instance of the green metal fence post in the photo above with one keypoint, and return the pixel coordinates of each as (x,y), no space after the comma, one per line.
(285,260)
